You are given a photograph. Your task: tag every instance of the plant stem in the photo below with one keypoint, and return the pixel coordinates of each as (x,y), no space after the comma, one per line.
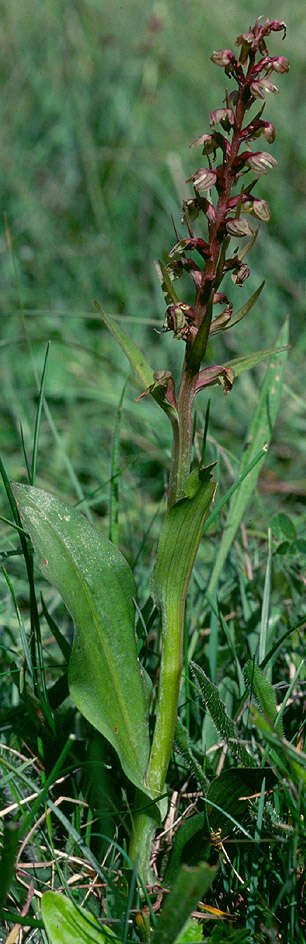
(168,692)
(182,444)
(146,822)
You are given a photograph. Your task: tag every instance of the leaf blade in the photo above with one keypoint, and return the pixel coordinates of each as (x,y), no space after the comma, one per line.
(142,370)
(190,885)
(98,588)
(66,923)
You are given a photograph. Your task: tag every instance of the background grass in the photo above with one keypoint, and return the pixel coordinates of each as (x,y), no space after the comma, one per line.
(99,105)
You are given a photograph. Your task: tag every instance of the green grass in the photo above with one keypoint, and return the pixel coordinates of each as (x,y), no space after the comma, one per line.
(99,105)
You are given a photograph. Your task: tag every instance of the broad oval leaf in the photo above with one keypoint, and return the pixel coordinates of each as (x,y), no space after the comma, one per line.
(66,923)
(97,587)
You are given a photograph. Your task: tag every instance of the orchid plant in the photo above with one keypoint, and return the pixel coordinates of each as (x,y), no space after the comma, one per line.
(106,680)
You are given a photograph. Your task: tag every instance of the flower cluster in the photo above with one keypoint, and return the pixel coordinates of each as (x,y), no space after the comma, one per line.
(229,158)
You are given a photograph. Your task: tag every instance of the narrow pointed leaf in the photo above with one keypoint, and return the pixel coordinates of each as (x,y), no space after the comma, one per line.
(240,364)
(97,587)
(143,371)
(259,433)
(66,923)
(191,884)
(141,367)
(241,313)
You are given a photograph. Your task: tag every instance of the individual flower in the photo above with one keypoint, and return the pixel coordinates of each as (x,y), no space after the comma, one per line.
(262,210)
(280,64)
(261,161)
(223,57)
(203,179)
(239,227)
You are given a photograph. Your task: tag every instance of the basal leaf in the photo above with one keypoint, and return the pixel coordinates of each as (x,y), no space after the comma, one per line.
(66,923)
(97,587)
(178,545)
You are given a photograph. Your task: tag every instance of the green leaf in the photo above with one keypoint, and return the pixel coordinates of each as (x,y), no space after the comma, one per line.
(191,934)
(66,923)
(185,837)
(264,693)
(143,371)
(97,587)
(10,840)
(240,364)
(179,540)
(191,884)
(285,756)
(259,433)
(178,545)
(282,526)
(241,313)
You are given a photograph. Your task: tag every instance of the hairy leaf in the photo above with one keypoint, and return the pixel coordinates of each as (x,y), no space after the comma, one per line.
(263,692)
(224,724)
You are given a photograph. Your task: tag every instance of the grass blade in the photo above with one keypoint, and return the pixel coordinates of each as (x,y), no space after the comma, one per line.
(265,604)
(259,432)
(38,416)
(113,533)
(26,650)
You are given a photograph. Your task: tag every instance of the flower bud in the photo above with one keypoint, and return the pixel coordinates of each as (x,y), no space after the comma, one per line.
(239,227)
(233,96)
(257,90)
(276,25)
(262,210)
(223,115)
(179,319)
(190,211)
(261,162)
(203,179)
(280,64)
(269,132)
(223,57)
(240,275)
(201,140)
(269,86)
